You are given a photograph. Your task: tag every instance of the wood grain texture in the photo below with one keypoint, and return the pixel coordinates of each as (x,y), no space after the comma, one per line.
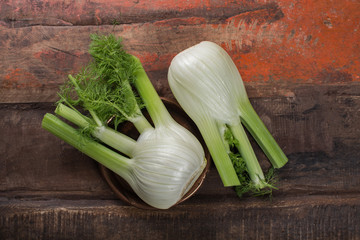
(311,217)
(317,128)
(300,61)
(100,12)
(275,43)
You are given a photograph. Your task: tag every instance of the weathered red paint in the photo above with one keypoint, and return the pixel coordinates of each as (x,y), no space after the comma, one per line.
(154,62)
(295,44)
(314,36)
(286,42)
(20,79)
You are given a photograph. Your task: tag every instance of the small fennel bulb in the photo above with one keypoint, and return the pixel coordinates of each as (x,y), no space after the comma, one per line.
(208,86)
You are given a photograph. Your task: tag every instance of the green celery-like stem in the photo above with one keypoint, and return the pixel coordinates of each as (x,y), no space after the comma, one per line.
(117,140)
(210,131)
(72,115)
(261,134)
(96,118)
(110,159)
(141,123)
(154,105)
(244,146)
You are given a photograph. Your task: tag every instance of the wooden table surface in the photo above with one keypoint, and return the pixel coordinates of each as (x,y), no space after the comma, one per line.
(300,61)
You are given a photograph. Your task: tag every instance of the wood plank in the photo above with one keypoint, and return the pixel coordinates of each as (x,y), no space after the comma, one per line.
(269,45)
(316,126)
(100,12)
(304,218)
(34,163)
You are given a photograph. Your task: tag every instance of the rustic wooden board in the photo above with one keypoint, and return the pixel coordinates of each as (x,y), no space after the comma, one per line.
(270,43)
(306,218)
(316,131)
(300,62)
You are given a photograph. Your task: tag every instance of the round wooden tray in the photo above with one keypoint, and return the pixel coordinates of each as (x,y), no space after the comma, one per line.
(118,185)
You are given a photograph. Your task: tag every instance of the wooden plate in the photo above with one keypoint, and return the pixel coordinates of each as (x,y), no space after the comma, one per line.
(118,185)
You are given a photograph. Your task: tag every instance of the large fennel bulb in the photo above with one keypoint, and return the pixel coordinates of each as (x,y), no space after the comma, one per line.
(207,84)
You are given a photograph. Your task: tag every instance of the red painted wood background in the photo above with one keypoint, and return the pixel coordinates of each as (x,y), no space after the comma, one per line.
(300,61)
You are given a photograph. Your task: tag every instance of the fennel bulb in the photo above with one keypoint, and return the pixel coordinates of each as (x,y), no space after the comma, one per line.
(208,86)
(166,159)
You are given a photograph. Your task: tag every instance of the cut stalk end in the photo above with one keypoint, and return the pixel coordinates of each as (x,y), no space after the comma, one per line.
(263,137)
